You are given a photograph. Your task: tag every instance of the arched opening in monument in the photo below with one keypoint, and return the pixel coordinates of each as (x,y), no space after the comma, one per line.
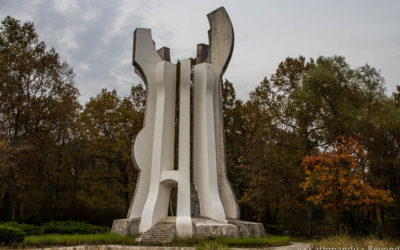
(173,201)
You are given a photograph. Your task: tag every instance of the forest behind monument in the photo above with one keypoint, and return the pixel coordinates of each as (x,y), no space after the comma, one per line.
(311,122)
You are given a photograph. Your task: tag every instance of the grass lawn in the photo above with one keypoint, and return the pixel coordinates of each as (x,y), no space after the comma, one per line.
(269,240)
(114,239)
(342,241)
(77,239)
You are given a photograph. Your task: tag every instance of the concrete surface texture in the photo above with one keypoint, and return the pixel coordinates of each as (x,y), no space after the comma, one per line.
(204,150)
(165,230)
(154,147)
(184,220)
(145,59)
(126,227)
(221,40)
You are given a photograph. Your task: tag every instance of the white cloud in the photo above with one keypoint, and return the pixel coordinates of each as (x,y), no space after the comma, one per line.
(65,7)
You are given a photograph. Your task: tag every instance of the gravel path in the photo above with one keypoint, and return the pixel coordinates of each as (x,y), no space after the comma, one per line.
(293,246)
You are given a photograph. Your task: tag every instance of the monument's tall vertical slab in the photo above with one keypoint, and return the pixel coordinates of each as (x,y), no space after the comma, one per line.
(221,42)
(183,220)
(145,58)
(205,174)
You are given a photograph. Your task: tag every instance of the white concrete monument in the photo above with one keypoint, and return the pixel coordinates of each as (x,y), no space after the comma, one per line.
(153,150)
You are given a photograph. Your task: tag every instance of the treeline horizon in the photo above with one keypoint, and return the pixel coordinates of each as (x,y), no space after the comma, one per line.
(60,160)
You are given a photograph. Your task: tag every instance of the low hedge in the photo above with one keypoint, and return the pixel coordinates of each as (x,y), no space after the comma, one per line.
(26,228)
(10,235)
(72,227)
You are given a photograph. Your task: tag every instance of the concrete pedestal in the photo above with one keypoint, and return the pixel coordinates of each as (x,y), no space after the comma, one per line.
(126,227)
(202,228)
(247,229)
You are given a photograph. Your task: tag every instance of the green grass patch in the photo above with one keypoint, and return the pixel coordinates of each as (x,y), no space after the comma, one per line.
(77,239)
(269,240)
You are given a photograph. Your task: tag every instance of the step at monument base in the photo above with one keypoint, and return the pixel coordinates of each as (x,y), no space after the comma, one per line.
(163,232)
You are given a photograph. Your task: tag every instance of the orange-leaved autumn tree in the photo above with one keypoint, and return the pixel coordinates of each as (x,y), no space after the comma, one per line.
(335,179)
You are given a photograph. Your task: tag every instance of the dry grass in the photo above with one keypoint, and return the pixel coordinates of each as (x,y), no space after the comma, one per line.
(368,243)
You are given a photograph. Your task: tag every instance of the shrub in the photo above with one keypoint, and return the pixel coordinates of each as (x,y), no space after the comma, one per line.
(72,227)
(26,228)
(10,235)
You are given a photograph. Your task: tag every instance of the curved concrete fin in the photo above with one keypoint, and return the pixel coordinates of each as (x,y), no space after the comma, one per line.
(145,56)
(221,39)
(145,59)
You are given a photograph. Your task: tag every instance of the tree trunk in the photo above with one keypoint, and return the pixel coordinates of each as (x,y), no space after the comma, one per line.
(171,210)
(281,207)
(21,208)
(57,194)
(379,224)
(74,192)
(13,207)
(309,220)
(126,190)
(5,208)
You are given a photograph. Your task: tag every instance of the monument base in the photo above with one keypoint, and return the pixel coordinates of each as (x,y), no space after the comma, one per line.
(247,229)
(126,227)
(202,228)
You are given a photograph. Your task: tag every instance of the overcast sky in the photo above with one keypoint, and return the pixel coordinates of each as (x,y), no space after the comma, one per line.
(95,37)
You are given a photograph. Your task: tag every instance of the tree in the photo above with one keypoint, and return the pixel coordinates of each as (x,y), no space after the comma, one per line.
(313,102)
(110,124)
(234,135)
(335,179)
(396,95)
(38,100)
(293,118)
